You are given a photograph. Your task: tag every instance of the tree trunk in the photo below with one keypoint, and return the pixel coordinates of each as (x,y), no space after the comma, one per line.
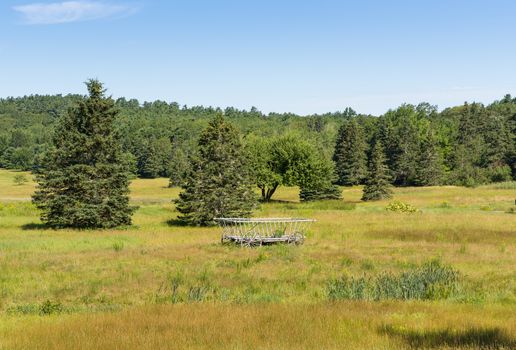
(270,192)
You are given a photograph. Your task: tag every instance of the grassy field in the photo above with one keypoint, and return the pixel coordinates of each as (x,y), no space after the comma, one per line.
(159,286)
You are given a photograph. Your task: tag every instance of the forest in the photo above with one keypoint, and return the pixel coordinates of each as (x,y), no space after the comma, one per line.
(468,145)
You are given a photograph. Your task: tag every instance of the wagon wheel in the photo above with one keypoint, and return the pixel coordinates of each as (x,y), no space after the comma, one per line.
(300,239)
(246,242)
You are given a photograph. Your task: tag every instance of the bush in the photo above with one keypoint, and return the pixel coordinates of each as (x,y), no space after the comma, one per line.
(20,179)
(400,207)
(431,281)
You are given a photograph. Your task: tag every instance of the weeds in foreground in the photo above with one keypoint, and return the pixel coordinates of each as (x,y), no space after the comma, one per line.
(431,281)
(401,207)
(118,246)
(48,307)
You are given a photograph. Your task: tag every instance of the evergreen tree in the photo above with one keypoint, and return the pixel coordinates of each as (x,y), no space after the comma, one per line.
(149,163)
(430,167)
(179,167)
(219,183)
(469,146)
(350,154)
(318,182)
(377,184)
(512,152)
(83,182)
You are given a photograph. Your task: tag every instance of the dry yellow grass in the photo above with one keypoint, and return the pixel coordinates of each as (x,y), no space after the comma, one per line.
(345,325)
(11,192)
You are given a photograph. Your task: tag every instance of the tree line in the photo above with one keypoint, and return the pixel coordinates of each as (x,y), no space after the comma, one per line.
(466,145)
(84,171)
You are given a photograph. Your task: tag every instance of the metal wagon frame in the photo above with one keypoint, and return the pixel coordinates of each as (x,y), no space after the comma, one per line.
(260,231)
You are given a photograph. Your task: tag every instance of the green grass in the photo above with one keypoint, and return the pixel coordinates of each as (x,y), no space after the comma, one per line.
(62,287)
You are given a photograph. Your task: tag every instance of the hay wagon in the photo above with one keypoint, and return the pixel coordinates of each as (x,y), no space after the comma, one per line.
(259,231)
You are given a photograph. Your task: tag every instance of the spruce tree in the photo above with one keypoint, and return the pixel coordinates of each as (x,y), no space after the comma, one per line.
(150,162)
(178,169)
(83,182)
(377,184)
(318,182)
(350,154)
(430,167)
(219,182)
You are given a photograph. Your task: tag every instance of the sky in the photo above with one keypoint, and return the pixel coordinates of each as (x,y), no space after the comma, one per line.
(298,56)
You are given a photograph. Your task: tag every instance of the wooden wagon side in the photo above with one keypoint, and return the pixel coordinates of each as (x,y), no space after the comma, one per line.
(261,231)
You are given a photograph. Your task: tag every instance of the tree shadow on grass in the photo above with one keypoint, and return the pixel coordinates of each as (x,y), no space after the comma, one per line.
(477,338)
(44,227)
(176,222)
(35,226)
(182,223)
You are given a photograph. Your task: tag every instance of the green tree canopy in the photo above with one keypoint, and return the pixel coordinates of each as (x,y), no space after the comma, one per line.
(289,160)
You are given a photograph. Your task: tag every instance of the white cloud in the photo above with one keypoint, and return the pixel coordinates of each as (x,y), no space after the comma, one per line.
(71,11)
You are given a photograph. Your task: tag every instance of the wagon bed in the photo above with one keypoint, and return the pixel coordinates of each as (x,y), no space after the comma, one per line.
(263,231)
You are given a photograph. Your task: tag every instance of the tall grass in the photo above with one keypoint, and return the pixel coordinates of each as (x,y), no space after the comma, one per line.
(508,185)
(17,209)
(431,281)
(162,283)
(339,325)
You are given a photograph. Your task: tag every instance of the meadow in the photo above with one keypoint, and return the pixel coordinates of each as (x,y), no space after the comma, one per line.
(158,285)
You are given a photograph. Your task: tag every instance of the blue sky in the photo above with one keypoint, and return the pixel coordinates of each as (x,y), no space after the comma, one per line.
(283,55)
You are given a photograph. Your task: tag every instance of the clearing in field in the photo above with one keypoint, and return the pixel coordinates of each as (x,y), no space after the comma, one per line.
(352,284)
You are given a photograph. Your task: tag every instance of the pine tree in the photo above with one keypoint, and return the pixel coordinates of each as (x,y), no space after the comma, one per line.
(219,182)
(83,182)
(377,184)
(178,169)
(469,146)
(350,154)
(430,167)
(149,163)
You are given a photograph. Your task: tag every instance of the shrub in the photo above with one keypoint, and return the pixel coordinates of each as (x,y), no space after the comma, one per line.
(400,207)
(20,179)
